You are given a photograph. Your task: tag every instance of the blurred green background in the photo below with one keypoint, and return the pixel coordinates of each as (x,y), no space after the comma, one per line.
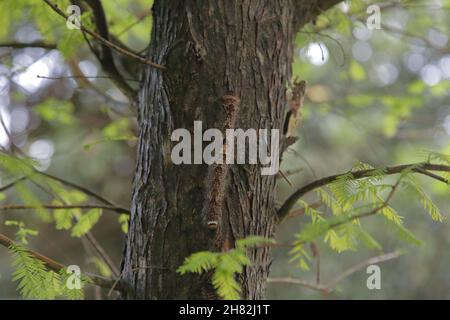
(376,96)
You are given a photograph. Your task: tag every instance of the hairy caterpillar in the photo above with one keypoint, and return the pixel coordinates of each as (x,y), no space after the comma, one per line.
(217,173)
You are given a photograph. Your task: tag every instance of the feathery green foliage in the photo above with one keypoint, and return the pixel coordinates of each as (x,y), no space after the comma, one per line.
(35,281)
(226,265)
(22,232)
(86,222)
(349,200)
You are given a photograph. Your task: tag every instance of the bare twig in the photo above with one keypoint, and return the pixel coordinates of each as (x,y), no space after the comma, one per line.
(282,174)
(22,45)
(432,175)
(102,253)
(374,260)
(141,17)
(341,48)
(59,207)
(80,77)
(290,173)
(12,184)
(300,282)
(331,286)
(86,191)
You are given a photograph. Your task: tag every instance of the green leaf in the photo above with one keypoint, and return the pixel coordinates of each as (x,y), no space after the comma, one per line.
(426,202)
(34,280)
(73,293)
(124,222)
(226,265)
(403,234)
(22,232)
(63,218)
(199,262)
(226,285)
(86,222)
(368,240)
(101,266)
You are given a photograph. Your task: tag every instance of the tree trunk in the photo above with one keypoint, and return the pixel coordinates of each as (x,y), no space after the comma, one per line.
(210,48)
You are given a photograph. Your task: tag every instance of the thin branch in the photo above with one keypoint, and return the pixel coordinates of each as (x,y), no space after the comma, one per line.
(331,286)
(416,167)
(105,56)
(109,205)
(89,236)
(432,175)
(323,5)
(86,191)
(104,41)
(300,282)
(81,77)
(374,260)
(411,35)
(59,207)
(284,176)
(131,25)
(83,82)
(290,173)
(102,253)
(302,211)
(57,267)
(12,184)
(316,254)
(341,48)
(361,215)
(371,212)
(23,45)
(300,16)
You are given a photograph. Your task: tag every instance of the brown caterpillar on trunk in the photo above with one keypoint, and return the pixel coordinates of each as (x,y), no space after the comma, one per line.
(217,173)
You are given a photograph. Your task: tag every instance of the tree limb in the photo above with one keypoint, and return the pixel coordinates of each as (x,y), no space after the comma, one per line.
(105,57)
(22,45)
(104,41)
(306,11)
(417,167)
(60,207)
(323,5)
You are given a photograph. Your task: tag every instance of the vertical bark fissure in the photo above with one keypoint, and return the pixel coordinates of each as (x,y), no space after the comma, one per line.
(209,48)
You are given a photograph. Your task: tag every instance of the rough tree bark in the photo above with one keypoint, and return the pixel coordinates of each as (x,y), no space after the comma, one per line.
(210,48)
